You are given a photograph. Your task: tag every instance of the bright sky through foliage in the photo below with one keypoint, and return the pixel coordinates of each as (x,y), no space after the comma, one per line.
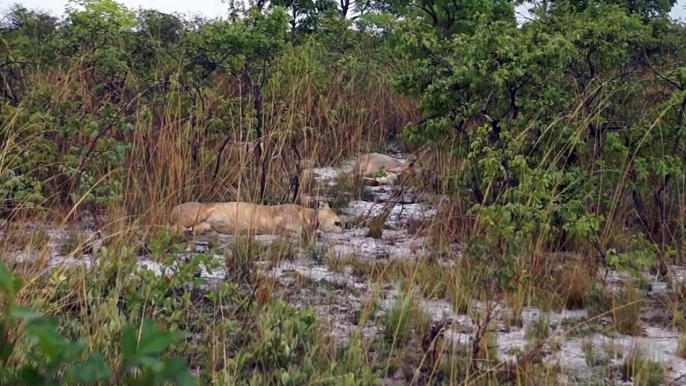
(214,8)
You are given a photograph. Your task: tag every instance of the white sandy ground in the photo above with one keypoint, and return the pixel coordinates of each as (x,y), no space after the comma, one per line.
(336,304)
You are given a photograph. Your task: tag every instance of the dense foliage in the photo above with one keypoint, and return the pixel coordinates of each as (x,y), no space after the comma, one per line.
(571,124)
(569,127)
(93,100)
(565,132)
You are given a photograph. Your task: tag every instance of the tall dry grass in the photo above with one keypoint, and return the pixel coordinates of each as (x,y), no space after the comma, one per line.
(172,159)
(326,112)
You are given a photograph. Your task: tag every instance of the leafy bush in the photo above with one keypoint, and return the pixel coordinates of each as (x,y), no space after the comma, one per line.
(34,353)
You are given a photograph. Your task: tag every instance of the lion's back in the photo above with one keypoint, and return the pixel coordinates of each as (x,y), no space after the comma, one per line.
(371,163)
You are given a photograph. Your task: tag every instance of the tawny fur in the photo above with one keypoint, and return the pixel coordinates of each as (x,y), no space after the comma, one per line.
(368,165)
(243,217)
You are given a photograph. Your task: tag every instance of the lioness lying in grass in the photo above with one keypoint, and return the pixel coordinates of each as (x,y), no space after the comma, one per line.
(244,217)
(377,168)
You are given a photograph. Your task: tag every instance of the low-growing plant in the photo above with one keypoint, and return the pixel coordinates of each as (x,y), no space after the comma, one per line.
(34,353)
(538,329)
(641,370)
(398,324)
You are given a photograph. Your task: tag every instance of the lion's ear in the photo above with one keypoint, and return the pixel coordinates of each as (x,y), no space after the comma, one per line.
(322,204)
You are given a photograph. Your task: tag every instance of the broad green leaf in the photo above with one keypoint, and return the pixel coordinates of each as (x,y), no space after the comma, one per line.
(6,346)
(19,312)
(30,376)
(128,343)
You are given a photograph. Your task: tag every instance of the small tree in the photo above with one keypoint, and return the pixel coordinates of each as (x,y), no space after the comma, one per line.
(244,48)
(558,118)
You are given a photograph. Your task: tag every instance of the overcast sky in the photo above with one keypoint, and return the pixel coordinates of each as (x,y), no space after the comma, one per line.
(209,8)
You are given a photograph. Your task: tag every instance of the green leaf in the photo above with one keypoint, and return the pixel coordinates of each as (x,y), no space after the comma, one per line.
(185,378)
(6,346)
(16,284)
(93,371)
(5,279)
(30,376)
(128,343)
(19,312)
(177,370)
(49,341)
(153,341)
(152,363)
